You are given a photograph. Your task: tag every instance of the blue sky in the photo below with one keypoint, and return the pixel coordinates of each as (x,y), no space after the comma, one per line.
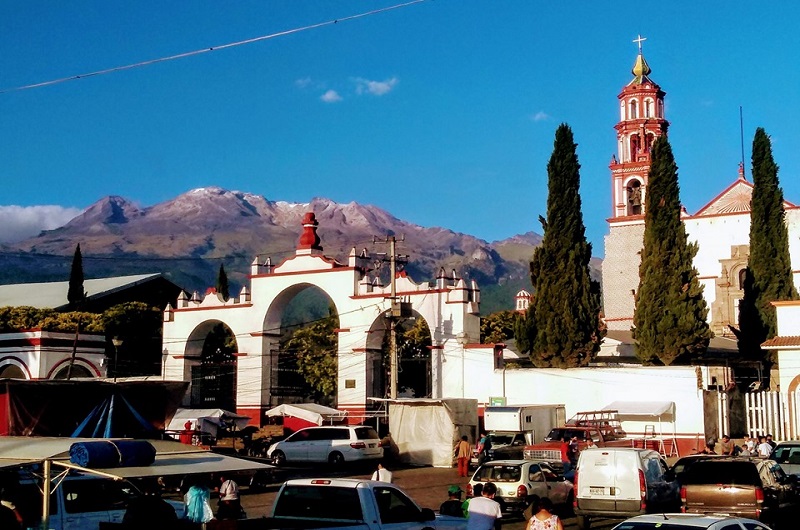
(442,113)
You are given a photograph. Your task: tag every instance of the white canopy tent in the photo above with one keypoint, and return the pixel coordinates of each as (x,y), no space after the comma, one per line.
(648,413)
(207,420)
(310,412)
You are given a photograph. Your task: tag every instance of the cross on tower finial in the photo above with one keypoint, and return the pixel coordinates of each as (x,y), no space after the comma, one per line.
(639,40)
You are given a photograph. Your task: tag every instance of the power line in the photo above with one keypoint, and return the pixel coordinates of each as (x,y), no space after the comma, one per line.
(209,49)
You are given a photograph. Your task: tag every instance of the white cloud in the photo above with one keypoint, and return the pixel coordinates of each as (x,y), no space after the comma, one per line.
(302,83)
(331,96)
(376,88)
(540,116)
(21,222)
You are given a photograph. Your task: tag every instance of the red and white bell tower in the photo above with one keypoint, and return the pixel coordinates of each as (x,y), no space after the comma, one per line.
(641,121)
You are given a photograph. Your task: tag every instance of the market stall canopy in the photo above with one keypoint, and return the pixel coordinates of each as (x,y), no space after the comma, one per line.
(207,420)
(310,412)
(172,458)
(643,410)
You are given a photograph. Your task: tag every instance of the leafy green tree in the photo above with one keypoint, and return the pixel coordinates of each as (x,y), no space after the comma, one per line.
(413,355)
(219,345)
(222,283)
(566,310)
(670,315)
(525,330)
(769,272)
(499,326)
(138,326)
(75,294)
(315,347)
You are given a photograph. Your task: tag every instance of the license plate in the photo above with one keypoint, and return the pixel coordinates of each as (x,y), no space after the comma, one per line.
(596,490)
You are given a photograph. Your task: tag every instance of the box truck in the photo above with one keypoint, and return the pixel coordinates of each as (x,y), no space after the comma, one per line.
(510,428)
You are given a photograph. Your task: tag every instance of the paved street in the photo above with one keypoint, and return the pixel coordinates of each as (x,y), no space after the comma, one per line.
(427,485)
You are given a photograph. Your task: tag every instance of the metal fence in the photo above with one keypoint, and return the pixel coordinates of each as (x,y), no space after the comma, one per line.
(766,412)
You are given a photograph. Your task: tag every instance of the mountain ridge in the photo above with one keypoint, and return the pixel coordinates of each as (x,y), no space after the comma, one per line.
(188,236)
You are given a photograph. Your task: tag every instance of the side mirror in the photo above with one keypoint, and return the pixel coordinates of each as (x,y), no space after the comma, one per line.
(427,515)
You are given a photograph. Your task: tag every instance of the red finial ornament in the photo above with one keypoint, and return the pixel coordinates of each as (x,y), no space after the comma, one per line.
(309,240)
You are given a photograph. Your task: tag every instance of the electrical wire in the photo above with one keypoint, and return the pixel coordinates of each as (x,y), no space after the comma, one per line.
(209,49)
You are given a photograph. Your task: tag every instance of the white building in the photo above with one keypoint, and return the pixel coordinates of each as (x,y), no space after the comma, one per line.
(721,228)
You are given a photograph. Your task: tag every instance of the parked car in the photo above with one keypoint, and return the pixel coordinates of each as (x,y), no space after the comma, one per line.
(520,481)
(335,445)
(787,454)
(79,502)
(681,521)
(739,486)
(620,482)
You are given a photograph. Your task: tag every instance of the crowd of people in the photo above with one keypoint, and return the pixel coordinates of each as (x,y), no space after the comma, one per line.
(751,446)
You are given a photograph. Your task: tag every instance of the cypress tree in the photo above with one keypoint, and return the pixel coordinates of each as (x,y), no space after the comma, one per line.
(565,320)
(75,294)
(769,273)
(222,283)
(670,315)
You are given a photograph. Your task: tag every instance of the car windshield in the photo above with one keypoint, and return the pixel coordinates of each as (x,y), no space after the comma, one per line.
(558,434)
(715,472)
(510,473)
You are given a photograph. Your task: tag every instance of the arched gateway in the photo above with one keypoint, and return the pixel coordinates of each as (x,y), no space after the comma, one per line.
(450,307)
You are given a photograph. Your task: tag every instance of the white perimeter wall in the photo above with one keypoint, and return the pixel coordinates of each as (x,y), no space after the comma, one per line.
(582,389)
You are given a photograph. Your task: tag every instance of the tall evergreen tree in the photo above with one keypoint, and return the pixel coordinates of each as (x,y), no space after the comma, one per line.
(75,294)
(670,316)
(564,319)
(222,283)
(769,272)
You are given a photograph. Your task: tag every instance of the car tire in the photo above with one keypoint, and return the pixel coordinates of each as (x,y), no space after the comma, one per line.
(584,522)
(336,459)
(278,458)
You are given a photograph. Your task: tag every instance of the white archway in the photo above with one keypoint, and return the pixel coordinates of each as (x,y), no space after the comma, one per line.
(450,307)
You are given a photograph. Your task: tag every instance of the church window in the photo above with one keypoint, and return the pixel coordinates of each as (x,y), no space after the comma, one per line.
(636,145)
(648,104)
(648,141)
(742,276)
(622,111)
(633,110)
(660,109)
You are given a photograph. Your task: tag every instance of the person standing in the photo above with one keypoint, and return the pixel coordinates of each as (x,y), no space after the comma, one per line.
(544,519)
(764,449)
(484,512)
(197,503)
(230,506)
(382,474)
(463,452)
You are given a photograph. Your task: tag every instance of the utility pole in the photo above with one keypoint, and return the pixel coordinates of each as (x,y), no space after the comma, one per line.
(398,310)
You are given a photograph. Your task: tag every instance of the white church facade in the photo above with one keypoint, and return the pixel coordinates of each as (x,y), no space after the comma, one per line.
(721,228)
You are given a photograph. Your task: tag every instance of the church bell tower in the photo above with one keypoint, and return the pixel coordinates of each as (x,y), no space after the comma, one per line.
(641,121)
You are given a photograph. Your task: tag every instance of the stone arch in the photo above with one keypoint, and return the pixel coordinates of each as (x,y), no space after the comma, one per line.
(212,373)
(634,196)
(13,368)
(285,382)
(78,371)
(59,370)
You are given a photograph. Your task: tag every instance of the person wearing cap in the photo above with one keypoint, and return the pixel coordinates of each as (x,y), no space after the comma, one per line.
(452,506)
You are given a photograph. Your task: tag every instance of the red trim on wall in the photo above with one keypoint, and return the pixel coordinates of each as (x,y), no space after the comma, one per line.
(186,309)
(60,363)
(339,268)
(20,361)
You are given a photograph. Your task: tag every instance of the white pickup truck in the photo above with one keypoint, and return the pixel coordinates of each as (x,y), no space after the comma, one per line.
(352,504)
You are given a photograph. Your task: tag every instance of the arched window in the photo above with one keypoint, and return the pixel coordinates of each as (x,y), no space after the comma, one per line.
(78,371)
(660,108)
(648,108)
(636,145)
(742,277)
(648,142)
(634,192)
(622,111)
(634,110)
(11,371)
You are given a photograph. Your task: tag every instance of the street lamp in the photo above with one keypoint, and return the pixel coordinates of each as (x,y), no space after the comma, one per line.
(117,342)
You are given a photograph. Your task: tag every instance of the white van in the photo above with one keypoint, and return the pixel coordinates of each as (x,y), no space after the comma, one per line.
(335,445)
(622,482)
